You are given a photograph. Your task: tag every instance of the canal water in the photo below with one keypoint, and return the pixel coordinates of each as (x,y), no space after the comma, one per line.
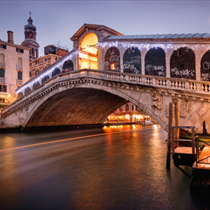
(123,169)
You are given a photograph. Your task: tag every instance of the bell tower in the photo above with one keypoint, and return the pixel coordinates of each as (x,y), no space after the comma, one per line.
(30,39)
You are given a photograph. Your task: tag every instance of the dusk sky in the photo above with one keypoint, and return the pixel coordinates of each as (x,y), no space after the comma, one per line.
(57,21)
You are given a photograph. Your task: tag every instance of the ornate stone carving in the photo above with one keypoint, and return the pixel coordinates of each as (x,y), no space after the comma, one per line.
(156,100)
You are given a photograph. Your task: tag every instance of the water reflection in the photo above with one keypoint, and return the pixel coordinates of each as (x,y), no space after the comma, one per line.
(125,171)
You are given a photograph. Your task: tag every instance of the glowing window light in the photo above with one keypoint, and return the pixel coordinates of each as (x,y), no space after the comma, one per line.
(127,116)
(112,66)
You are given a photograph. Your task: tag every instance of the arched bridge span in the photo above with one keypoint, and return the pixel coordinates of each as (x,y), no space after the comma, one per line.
(88,97)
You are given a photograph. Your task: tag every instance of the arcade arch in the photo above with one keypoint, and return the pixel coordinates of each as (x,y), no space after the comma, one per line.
(182,64)
(88,53)
(132,61)
(112,59)
(205,67)
(155,63)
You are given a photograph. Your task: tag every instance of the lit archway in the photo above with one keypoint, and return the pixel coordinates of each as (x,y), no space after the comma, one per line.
(88,54)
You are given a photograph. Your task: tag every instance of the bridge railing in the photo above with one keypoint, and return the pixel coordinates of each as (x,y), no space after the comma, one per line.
(165,82)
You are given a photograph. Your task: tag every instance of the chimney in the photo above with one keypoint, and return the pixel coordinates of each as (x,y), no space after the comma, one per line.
(10,37)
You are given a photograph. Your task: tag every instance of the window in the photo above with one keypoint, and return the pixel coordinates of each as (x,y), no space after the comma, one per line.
(19,62)
(3,46)
(37,72)
(30,74)
(19,50)
(2,58)
(20,75)
(127,107)
(3,88)
(2,73)
(132,107)
(112,66)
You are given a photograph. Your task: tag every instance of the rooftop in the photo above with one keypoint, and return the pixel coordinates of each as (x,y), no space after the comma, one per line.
(161,36)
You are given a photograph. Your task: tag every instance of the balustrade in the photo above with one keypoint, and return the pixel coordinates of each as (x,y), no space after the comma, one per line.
(173,83)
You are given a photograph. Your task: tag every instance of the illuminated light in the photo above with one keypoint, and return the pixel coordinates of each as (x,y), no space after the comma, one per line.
(155,126)
(9,95)
(112,66)
(136,45)
(87,57)
(127,116)
(48,72)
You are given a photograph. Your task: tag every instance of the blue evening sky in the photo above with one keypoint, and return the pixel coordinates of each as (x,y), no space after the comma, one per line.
(58,20)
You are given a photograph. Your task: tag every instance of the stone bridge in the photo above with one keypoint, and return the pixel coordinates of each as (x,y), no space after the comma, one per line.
(89,96)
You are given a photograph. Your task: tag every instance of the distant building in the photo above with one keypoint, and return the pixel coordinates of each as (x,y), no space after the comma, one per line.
(52,49)
(30,39)
(128,113)
(14,69)
(38,65)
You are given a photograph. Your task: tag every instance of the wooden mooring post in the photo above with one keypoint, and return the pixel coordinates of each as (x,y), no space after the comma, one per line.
(177,122)
(169,141)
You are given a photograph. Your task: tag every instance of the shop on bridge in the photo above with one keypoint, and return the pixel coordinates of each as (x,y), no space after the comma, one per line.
(98,47)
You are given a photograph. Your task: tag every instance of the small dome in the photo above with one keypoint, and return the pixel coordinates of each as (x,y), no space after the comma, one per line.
(30,25)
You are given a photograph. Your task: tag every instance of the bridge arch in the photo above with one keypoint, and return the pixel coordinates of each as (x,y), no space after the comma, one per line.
(100,100)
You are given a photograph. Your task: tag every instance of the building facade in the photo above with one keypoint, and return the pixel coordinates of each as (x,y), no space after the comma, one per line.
(38,65)
(128,113)
(14,69)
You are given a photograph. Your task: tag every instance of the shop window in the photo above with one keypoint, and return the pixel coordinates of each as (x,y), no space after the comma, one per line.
(155,63)
(182,64)
(68,66)
(132,61)
(45,79)
(112,59)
